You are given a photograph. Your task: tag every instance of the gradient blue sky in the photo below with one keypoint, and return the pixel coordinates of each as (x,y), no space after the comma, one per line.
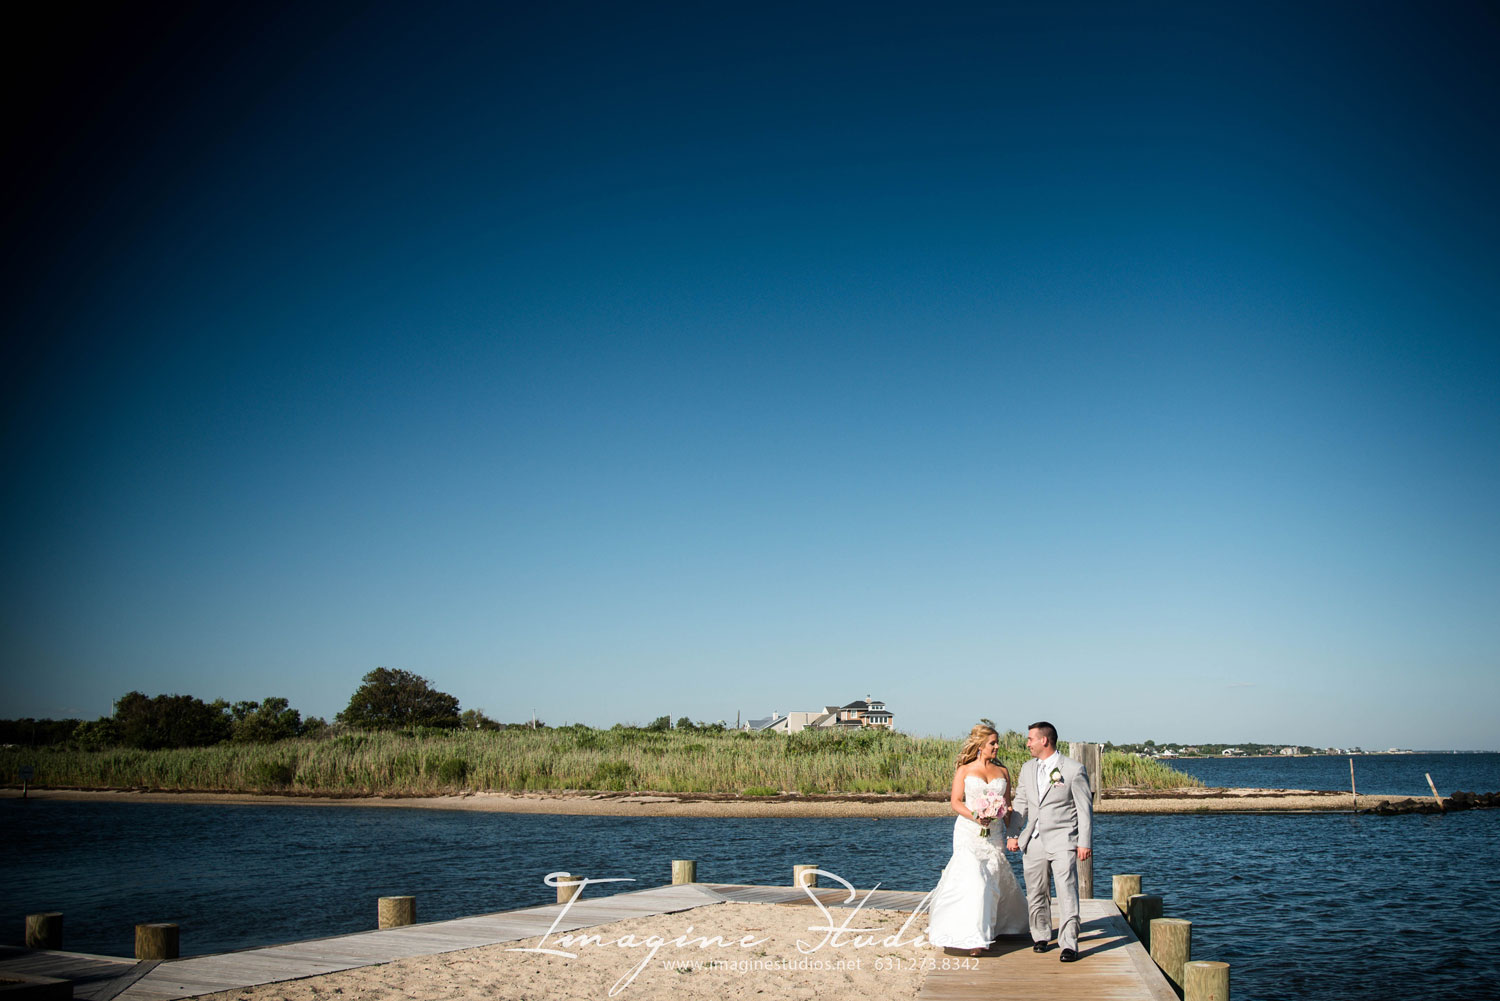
(1134,368)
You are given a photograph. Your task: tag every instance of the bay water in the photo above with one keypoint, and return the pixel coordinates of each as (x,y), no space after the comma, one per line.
(1383,774)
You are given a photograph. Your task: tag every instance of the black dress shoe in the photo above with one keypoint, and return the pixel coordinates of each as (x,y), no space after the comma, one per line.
(1038,946)
(1068,956)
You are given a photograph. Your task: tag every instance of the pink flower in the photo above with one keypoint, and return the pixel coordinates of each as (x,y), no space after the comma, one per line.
(990,808)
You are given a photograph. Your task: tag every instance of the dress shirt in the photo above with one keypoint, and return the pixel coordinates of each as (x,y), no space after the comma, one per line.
(1043,771)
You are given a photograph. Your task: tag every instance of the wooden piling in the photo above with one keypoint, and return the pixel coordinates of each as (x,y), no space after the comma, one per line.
(1352,790)
(684,871)
(1091,757)
(1205,981)
(1435,793)
(1126,886)
(396,912)
(803,875)
(1171,946)
(569,886)
(44,930)
(1142,909)
(156,941)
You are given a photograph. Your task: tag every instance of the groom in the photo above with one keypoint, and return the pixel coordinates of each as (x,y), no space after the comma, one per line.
(1053,795)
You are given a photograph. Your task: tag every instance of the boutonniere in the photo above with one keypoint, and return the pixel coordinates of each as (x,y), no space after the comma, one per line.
(1056,776)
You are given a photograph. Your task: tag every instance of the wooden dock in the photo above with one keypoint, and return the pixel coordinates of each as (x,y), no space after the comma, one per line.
(1113,964)
(95,978)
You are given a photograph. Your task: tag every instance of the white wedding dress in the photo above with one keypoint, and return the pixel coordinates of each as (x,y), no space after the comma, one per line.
(977,898)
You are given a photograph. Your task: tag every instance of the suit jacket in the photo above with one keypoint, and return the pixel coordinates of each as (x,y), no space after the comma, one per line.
(1063,816)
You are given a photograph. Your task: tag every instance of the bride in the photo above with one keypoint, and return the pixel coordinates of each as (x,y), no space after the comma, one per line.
(977,898)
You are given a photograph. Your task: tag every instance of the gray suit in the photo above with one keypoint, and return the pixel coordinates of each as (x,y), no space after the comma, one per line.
(1057,822)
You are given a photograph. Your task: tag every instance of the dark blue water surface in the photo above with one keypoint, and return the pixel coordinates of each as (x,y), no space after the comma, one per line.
(1394,774)
(1329,906)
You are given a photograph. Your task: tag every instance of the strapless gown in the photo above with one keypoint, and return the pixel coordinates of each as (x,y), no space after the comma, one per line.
(977,899)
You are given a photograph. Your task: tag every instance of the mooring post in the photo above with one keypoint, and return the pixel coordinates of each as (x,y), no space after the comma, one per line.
(44,930)
(569,886)
(1171,946)
(803,875)
(396,912)
(684,871)
(1205,981)
(1142,908)
(158,940)
(1126,886)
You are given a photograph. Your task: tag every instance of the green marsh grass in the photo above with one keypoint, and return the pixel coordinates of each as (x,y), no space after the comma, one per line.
(438,762)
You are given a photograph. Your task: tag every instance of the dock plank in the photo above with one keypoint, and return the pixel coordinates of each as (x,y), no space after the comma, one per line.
(1112,966)
(291,961)
(93,977)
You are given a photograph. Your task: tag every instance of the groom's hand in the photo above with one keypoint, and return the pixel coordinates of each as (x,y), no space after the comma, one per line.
(1013,844)
(1084,853)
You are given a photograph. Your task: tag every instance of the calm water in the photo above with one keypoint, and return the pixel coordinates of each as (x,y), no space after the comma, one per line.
(1396,774)
(1328,906)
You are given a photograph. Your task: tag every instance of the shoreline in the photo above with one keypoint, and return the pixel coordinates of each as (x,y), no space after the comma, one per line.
(1200,800)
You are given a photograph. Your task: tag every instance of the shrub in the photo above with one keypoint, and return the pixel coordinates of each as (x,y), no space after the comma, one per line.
(762,791)
(453,771)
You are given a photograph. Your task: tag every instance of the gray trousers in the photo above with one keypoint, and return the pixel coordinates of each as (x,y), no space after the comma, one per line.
(1063,866)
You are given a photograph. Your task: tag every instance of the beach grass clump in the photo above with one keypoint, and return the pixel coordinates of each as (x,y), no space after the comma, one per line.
(453,771)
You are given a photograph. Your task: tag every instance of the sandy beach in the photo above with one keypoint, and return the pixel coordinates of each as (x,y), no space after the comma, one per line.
(731,950)
(647,805)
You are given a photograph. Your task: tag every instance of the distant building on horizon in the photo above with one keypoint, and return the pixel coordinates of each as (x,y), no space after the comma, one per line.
(866,713)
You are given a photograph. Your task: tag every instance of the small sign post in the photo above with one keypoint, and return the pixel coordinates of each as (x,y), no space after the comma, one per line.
(26,773)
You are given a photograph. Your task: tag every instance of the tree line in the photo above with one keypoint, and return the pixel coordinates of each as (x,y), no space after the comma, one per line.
(386,699)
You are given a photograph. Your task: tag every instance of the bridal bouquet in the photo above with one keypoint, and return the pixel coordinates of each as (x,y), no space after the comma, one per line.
(990,808)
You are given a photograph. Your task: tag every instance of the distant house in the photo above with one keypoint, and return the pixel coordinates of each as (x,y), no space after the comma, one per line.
(1230,752)
(866,712)
(1288,751)
(769,723)
(798,721)
(858,715)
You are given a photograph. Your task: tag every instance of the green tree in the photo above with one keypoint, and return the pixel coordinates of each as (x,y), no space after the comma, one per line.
(659,725)
(475,719)
(390,699)
(170,721)
(37,732)
(265,722)
(96,735)
(683,723)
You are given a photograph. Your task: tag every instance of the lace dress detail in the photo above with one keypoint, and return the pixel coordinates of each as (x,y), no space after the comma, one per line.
(977,898)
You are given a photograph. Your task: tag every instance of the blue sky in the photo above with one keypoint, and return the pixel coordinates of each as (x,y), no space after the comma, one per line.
(1131,369)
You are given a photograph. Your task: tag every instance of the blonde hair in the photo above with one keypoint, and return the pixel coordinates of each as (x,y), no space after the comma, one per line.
(977,738)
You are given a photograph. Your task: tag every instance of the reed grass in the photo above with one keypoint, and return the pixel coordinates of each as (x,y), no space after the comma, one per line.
(1126,771)
(426,763)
